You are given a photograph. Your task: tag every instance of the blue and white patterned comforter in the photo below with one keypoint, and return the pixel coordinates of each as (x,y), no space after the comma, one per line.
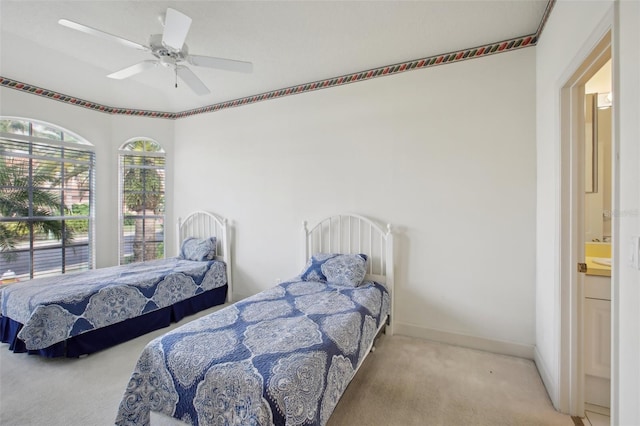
(53,309)
(281,357)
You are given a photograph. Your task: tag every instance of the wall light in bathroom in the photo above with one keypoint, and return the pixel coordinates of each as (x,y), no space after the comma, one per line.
(604,100)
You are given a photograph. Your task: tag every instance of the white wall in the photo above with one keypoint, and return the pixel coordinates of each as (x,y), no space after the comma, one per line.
(626,302)
(446,155)
(568,37)
(107,133)
(569,26)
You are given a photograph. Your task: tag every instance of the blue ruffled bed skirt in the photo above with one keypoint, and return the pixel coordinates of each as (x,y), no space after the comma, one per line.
(105,337)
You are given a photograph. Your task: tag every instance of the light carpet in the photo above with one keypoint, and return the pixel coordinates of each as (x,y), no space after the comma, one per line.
(408,381)
(404,382)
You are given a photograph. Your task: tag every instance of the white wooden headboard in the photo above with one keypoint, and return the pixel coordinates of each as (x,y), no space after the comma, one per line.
(353,234)
(201,224)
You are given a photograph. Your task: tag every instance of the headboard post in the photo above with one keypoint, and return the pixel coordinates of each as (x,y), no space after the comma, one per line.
(178,236)
(307,248)
(390,267)
(227,257)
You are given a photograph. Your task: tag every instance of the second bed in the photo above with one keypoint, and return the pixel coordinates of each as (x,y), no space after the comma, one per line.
(283,356)
(77,314)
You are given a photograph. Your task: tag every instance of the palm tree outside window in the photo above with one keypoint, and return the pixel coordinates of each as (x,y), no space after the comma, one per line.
(46,199)
(142,177)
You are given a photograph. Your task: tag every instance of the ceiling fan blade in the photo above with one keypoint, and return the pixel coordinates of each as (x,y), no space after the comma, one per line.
(220,63)
(192,80)
(102,34)
(133,70)
(176,27)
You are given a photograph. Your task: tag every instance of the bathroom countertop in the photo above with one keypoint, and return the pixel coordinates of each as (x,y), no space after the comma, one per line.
(597,269)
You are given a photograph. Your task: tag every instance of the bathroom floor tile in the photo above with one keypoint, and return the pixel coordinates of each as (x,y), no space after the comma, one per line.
(597,419)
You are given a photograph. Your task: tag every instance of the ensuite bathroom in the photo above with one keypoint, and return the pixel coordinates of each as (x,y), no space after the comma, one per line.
(597,238)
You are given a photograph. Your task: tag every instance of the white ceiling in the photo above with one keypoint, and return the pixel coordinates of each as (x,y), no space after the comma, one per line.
(289,42)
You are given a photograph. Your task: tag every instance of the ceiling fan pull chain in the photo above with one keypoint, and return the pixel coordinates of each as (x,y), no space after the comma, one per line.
(176,68)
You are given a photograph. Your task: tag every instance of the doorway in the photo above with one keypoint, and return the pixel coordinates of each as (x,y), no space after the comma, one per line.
(596,318)
(579,188)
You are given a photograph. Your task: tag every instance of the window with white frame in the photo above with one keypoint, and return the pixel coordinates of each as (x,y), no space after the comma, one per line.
(142,176)
(46,200)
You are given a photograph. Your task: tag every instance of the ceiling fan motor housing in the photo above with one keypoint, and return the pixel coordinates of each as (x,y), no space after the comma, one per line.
(166,54)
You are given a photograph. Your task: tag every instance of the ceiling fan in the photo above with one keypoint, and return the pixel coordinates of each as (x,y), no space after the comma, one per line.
(169,50)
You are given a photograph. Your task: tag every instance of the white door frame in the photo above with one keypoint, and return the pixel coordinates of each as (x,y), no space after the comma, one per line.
(592,57)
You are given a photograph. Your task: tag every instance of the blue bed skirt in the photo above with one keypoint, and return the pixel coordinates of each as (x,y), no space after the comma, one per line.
(102,338)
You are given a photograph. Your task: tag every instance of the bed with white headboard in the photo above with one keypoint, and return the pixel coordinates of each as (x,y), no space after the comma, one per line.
(282,356)
(353,234)
(201,224)
(80,313)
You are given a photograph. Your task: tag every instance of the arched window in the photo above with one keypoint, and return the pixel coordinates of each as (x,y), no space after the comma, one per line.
(141,201)
(46,199)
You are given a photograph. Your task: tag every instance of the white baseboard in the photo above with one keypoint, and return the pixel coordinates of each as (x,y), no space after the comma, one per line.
(480,343)
(238,297)
(549,384)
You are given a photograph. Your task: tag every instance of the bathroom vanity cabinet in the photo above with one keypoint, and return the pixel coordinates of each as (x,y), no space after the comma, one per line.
(597,339)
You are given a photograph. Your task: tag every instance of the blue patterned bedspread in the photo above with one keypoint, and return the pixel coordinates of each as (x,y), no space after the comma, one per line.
(53,309)
(281,357)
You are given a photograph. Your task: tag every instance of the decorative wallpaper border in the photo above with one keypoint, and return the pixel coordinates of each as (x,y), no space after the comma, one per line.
(431,61)
(24,87)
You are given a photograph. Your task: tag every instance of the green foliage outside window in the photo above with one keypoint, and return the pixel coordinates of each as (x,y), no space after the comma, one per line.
(143,198)
(15,199)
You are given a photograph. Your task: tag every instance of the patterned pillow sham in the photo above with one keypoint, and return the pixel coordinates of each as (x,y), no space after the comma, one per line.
(334,268)
(198,249)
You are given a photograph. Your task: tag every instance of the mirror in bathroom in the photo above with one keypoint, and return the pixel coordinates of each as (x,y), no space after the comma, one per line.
(598,164)
(591,143)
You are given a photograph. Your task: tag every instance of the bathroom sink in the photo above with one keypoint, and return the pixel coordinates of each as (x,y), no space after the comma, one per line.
(606,261)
